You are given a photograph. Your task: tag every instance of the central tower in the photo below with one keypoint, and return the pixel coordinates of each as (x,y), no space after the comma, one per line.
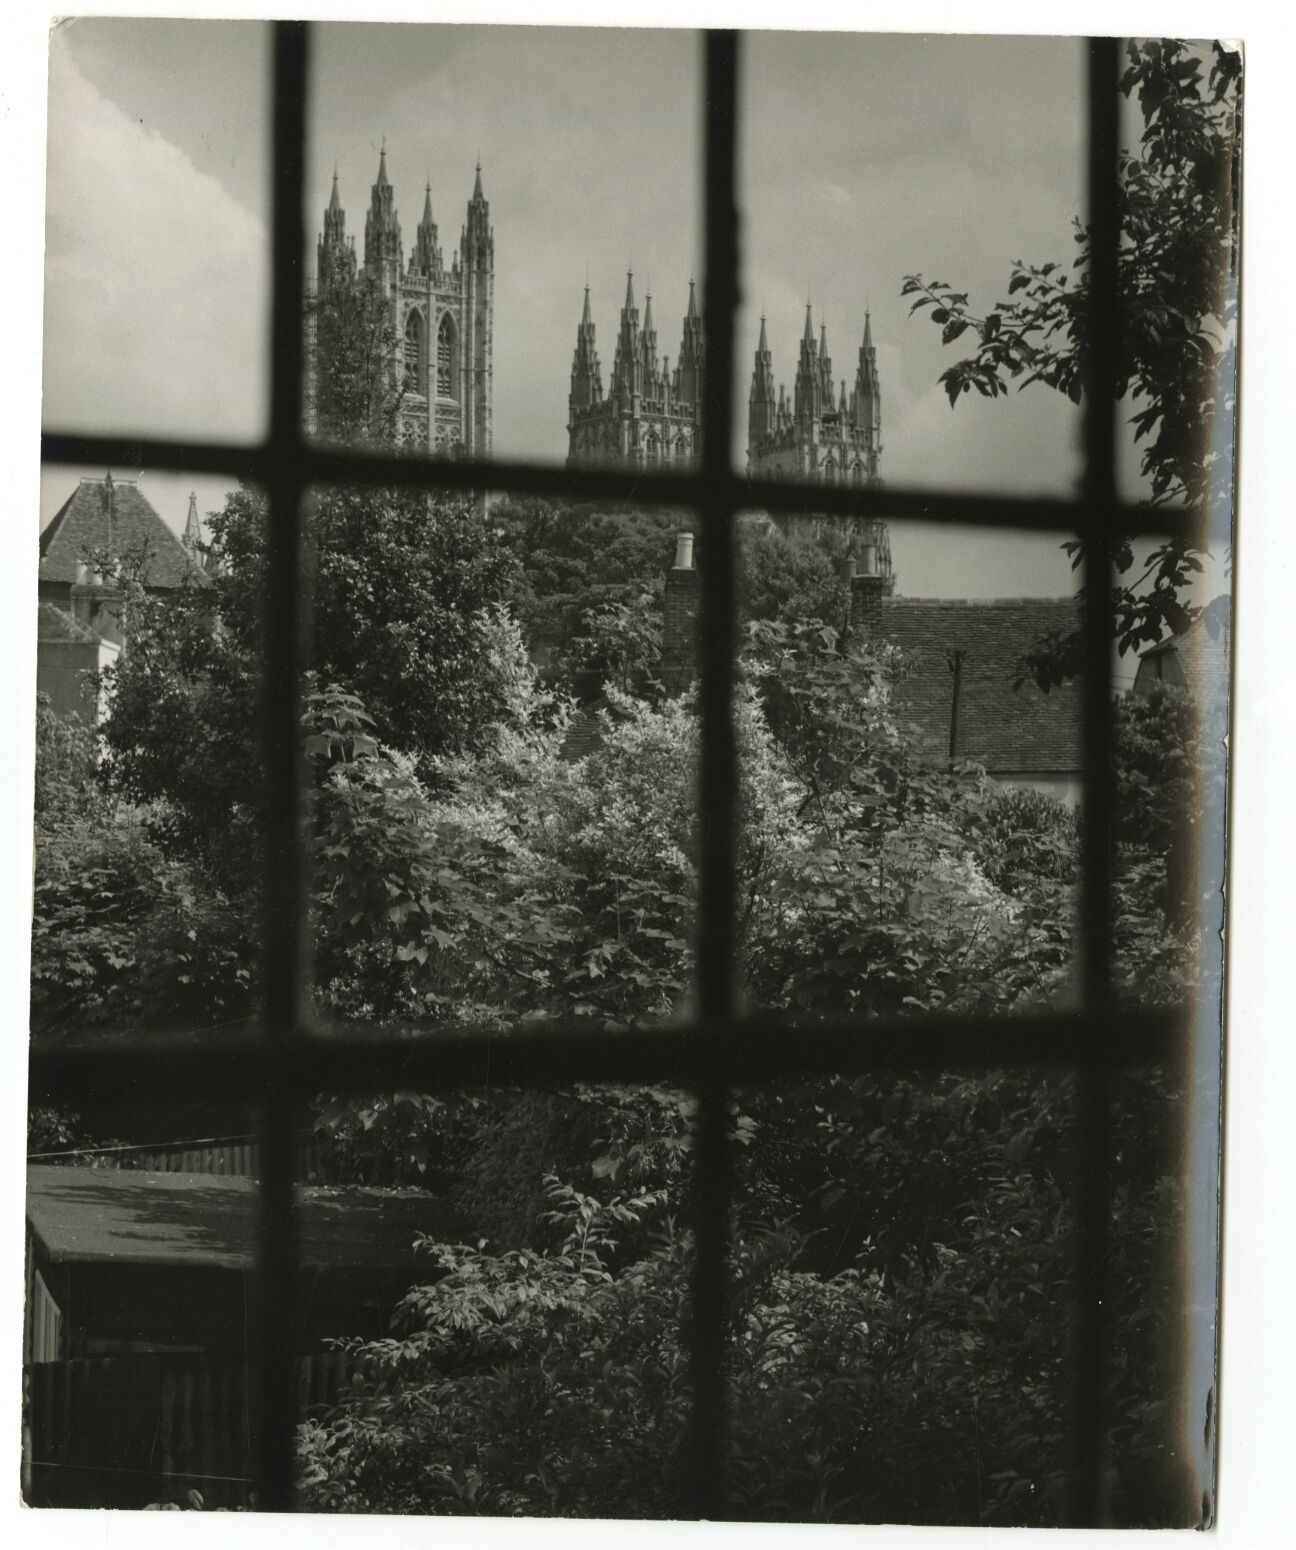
(650,414)
(442,319)
(820,436)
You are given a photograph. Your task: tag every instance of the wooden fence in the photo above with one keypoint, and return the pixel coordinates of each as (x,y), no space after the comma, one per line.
(124,1431)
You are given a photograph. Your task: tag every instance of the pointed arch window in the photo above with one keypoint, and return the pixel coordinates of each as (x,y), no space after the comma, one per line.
(415,357)
(830,471)
(446,375)
(857,472)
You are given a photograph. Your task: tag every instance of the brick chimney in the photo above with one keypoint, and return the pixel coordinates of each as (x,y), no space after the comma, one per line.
(679,630)
(866,595)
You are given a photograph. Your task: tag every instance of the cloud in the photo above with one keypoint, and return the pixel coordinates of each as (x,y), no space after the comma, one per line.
(155,280)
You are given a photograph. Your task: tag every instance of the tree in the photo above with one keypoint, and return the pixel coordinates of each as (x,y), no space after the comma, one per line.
(779,578)
(1177,287)
(357,391)
(574,559)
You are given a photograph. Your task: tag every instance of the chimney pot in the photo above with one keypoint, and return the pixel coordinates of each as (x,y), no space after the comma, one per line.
(845,567)
(869,552)
(684,552)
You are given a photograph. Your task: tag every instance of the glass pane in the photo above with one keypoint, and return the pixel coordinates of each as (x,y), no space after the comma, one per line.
(501,745)
(535,1366)
(948,158)
(157,260)
(913,843)
(905,1280)
(429,145)
(148,795)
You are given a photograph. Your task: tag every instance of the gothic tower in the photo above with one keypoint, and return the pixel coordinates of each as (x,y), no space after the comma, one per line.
(442,319)
(823,435)
(650,414)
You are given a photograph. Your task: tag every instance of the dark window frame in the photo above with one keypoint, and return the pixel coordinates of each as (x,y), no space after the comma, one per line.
(287,1058)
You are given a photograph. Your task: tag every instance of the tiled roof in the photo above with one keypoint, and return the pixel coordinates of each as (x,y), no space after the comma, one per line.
(54,623)
(1008,730)
(189,1219)
(1200,655)
(88,520)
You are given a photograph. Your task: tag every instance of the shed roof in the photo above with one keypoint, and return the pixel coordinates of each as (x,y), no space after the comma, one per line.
(188,1220)
(54,623)
(1007,729)
(118,517)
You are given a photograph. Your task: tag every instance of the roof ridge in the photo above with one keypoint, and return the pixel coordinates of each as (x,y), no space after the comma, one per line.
(895,601)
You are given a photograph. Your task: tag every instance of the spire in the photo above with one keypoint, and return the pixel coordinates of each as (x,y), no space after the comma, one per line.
(382,229)
(692,354)
(809,386)
(825,367)
(652,381)
(627,363)
(427,251)
(762,414)
(868,404)
(334,256)
(193,528)
(477,246)
(586,377)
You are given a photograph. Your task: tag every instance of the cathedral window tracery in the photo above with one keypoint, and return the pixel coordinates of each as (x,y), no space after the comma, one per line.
(445,359)
(414,355)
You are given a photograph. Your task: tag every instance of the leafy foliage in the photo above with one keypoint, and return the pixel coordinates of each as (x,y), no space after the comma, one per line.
(1177,286)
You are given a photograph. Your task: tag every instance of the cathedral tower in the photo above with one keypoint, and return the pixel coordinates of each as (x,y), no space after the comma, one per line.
(650,414)
(823,435)
(442,319)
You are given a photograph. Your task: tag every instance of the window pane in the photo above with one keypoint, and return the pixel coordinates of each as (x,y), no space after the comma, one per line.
(927,853)
(502,750)
(943,157)
(534,1367)
(904,1283)
(577,150)
(157,229)
(149,799)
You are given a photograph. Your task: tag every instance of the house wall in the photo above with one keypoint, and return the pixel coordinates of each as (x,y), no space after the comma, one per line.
(61,668)
(1067,789)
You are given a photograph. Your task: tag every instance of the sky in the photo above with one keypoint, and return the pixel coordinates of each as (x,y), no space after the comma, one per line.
(862,159)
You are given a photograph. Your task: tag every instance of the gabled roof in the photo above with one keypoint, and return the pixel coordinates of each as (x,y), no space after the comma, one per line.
(103,1215)
(116,517)
(1201,654)
(1008,730)
(54,623)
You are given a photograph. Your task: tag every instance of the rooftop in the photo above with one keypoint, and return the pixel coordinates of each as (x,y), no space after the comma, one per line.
(117,517)
(54,623)
(1009,730)
(87,1215)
